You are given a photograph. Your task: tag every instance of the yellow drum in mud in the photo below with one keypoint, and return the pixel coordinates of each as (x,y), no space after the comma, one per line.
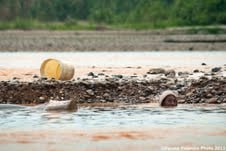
(60,70)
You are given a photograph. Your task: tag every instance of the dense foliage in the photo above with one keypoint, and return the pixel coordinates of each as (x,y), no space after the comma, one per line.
(126,13)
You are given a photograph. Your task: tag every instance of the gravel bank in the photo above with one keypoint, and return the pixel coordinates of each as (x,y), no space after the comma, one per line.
(193,87)
(107,41)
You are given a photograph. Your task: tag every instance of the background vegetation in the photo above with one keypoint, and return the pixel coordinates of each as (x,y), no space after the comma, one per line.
(92,14)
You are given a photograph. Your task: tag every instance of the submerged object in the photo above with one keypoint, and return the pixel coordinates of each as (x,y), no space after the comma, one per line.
(59,70)
(11,106)
(61,105)
(168,99)
(52,105)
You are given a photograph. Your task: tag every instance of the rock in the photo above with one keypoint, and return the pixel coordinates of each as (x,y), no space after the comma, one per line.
(181,101)
(44,78)
(106,95)
(156,71)
(209,95)
(216,69)
(142,98)
(35,76)
(212,101)
(95,76)
(179,86)
(170,73)
(118,76)
(101,74)
(196,71)
(91,74)
(90,92)
(203,64)
(133,76)
(16,78)
(103,101)
(224,100)
(183,74)
(41,98)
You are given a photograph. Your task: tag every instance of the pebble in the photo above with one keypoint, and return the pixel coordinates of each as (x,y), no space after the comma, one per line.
(209,95)
(16,78)
(212,101)
(90,92)
(170,73)
(106,95)
(216,69)
(35,76)
(118,76)
(203,64)
(156,71)
(183,74)
(196,71)
(44,78)
(101,74)
(91,74)
(142,98)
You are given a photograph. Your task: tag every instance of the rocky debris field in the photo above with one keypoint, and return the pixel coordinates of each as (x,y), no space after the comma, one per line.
(195,87)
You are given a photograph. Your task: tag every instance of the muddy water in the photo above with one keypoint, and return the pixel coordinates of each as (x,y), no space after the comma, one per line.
(115,59)
(142,127)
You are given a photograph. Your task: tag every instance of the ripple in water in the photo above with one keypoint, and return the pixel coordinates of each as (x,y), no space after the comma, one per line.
(107,117)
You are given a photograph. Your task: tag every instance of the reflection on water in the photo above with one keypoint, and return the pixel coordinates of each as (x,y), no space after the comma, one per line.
(108,117)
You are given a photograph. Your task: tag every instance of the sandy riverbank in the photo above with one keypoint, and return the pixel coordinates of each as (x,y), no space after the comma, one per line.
(108,41)
(132,139)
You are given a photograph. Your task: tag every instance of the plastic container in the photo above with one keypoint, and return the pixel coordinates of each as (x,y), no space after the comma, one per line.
(165,94)
(59,70)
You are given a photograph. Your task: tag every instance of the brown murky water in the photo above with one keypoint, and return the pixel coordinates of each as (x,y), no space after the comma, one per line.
(143,127)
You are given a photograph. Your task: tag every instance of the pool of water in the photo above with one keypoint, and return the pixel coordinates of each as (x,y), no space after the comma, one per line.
(115,59)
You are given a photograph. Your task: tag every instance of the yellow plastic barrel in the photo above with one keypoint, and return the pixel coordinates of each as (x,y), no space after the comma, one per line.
(59,70)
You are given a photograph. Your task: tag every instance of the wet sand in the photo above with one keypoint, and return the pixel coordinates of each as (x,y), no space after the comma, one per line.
(174,138)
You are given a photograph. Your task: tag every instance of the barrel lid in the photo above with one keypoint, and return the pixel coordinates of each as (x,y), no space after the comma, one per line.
(165,94)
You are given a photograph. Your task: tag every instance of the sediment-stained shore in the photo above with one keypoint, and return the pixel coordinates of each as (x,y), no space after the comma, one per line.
(121,40)
(102,88)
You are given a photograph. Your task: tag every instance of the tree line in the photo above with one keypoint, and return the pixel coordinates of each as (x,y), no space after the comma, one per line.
(146,12)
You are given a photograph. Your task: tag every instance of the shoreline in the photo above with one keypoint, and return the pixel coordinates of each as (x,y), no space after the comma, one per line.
(120,40)
(104,88)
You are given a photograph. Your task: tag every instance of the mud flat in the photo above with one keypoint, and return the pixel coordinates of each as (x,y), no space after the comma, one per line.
(102,88)
(126,40)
